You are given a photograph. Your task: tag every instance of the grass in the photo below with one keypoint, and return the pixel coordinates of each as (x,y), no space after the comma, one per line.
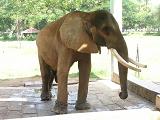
(141,33)
(152,34)
(19,59)
(149,54)
(98,74)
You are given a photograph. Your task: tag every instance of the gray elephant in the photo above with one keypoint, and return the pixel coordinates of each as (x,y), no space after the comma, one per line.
(73,38)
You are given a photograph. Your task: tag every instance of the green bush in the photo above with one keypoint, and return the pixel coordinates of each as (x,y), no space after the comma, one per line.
(12,37)
(30,37)
(7,37)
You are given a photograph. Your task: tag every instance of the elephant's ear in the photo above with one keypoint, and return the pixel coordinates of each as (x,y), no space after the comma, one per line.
(73,35)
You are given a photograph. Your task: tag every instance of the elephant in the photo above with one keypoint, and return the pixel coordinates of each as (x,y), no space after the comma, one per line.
(72,38)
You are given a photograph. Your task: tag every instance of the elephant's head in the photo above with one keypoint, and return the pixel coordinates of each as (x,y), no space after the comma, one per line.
(87,32)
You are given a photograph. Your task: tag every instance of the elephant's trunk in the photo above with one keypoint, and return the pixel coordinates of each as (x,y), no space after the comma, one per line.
(121,53)
(123,72)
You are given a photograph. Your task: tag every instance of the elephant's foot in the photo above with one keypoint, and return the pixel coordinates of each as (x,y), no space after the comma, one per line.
(46,96)
(123,95)
(60,108)
(82,105)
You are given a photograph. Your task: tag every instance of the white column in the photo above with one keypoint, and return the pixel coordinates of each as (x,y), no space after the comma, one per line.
(116,10)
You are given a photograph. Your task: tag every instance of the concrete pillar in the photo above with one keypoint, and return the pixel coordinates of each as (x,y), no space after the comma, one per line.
(116,10)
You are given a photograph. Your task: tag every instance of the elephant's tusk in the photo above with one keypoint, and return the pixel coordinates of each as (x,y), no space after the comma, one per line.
(122,61)
(137,63)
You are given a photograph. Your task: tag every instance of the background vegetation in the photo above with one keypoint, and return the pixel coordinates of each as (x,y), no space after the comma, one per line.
(18,15)
(141,15)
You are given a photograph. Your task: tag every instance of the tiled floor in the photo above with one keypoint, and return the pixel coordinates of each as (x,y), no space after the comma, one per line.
(22,102)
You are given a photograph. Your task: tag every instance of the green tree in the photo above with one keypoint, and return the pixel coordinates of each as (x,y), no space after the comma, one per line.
(157,17)
(27,13)
(129,13)
(138,14)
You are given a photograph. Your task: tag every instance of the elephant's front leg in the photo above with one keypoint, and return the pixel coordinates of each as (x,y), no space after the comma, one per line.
(84,66)
(64,63)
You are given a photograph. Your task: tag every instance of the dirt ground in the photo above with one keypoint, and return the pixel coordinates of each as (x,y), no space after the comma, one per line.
(16,82)
(32,81)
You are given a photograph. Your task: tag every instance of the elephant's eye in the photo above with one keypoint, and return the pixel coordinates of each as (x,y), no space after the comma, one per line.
(107,30)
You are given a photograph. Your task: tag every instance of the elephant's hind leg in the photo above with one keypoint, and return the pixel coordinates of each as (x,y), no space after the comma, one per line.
(53,75)
(47,75)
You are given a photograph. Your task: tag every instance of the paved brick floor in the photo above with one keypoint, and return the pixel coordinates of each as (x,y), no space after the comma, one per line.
(23,102)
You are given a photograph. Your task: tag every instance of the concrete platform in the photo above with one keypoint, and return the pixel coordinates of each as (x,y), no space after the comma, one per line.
(24,102)
(146,89)
(135,114)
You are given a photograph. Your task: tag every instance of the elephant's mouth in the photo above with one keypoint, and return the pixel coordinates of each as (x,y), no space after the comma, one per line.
(126,64)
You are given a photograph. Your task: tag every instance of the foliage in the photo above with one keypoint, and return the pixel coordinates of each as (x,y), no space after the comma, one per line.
(6,23)
(13,37)
(37,13)
(157,18)
(18,15)
(139,15)
(31,37)
(7,37)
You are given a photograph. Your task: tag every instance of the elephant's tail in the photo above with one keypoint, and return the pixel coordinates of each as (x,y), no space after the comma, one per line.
(54,75)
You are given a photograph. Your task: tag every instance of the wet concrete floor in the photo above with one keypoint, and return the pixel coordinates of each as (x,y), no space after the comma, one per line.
(23,102)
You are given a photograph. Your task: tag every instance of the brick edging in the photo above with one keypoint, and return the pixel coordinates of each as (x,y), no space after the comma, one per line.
(142,91)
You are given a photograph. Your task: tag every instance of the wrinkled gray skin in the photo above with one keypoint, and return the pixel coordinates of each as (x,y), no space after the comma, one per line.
(56,58)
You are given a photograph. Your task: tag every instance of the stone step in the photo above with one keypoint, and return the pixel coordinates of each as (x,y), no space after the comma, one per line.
(145,88)
(135,114)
